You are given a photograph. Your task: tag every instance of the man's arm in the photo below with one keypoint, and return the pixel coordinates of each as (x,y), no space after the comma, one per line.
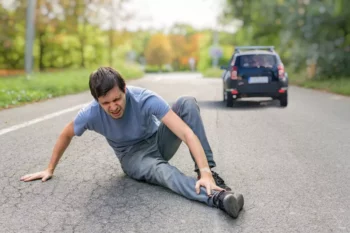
(61,145)
(185,133)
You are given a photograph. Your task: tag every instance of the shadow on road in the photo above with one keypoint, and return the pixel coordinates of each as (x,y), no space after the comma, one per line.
(135,200)
(240,104)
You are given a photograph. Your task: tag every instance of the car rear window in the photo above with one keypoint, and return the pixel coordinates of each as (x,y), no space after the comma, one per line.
(257,60)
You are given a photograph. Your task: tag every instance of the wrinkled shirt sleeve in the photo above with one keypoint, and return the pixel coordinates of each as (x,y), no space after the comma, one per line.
(82,121)
(156,106)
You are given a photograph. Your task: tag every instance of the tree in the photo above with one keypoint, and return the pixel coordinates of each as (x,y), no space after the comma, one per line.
(11,37)
(158,51)
(178,43)
(68,33)
(184,40)
(305,32)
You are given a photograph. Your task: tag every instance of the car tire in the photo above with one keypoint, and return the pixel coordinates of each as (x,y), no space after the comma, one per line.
(224,95)
(229,99)
(284,100)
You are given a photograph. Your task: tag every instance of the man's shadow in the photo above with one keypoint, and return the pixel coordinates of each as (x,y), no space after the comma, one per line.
(137,200)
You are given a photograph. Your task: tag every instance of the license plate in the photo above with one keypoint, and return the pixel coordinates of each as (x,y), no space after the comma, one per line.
(261,79)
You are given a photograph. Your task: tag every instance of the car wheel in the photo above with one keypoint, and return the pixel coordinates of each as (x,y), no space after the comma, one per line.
(284,100)
(229,99)
(224,97)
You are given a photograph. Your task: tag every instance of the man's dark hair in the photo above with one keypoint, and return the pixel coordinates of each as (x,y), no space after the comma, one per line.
(103,80)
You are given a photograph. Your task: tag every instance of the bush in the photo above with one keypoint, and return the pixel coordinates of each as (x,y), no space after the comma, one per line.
(155,69)
(130,70)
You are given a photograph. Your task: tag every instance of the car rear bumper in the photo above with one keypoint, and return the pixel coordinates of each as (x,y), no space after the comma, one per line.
(243,89)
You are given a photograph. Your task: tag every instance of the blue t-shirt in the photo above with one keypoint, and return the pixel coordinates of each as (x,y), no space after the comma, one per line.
(143,111)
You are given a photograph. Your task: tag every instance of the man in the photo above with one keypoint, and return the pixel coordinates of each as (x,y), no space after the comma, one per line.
(145,133)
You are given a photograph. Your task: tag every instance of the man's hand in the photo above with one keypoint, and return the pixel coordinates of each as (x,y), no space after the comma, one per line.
(185,133)
(43,175)
(207,181)
(61,145)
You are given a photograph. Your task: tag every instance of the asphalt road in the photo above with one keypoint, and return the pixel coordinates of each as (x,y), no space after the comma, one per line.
(292,165)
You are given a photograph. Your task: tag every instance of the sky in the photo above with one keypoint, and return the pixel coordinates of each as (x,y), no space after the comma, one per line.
(162,14)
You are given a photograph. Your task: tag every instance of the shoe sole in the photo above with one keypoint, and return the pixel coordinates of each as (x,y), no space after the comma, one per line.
(240,199)
(233,204)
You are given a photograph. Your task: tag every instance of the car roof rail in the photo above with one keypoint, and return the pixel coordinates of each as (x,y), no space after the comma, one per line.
(239,48)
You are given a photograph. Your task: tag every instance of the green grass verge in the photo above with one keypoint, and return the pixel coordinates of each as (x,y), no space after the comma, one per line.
(212,73)
(339,85)
(18,90)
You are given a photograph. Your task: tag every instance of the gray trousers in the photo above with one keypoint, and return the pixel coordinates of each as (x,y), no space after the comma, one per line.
(148,160)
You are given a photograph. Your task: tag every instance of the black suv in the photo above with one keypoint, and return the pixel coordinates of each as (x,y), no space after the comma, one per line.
(255,71)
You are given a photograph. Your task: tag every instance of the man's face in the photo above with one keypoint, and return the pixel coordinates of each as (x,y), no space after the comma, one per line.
(113,102)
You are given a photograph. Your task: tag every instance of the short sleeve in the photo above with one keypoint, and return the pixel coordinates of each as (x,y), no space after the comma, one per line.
(82,121)
(157,106)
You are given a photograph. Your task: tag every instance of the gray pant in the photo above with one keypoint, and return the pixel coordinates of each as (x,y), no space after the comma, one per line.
(148,160)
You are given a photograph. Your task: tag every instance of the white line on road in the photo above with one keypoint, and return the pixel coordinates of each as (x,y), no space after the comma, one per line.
(337,97)
(43,118)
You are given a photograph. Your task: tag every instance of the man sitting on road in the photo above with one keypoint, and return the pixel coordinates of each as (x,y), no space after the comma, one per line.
(145,133)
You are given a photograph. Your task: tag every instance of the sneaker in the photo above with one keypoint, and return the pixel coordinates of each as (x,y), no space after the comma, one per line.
(231,203)
(220,182)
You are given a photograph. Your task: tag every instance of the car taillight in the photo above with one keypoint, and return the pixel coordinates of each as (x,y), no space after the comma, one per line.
(234,72)
(281,71)
(234,92)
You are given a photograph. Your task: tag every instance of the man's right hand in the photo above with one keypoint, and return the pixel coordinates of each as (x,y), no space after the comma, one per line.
(43,175)
(61,145)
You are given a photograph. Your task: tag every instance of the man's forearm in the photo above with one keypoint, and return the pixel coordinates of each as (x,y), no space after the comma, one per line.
(61,145)
(197,151)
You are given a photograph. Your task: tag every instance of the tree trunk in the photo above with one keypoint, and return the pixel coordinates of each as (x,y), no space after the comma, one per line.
(82,46)
(110,50)
(41,51)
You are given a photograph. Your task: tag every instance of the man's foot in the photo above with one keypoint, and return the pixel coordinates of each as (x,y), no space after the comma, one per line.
(230,202)
(219,181)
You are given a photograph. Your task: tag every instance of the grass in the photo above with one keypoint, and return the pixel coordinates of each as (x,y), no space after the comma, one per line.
(18,90)
(212,73)
(339,85)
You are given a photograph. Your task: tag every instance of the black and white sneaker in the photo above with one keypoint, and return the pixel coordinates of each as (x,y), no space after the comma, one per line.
(219,181)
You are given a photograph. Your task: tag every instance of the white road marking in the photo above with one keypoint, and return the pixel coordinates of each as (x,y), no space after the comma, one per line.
(39,119)
(337,97)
